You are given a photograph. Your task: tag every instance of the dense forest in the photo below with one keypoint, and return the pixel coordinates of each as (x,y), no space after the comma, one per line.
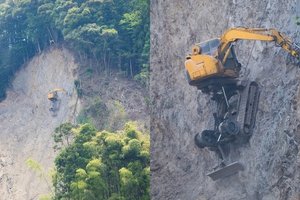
(101,165)
(113,33)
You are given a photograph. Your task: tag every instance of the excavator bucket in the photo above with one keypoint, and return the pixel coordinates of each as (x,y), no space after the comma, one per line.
(226,171)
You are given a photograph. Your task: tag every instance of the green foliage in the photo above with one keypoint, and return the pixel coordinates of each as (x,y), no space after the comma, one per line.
(110,117)
(95,113)
(45,197)
(35,166)
(104,165)
(78,88)
(114,33)
(73,157)
(143,76)
(63,135)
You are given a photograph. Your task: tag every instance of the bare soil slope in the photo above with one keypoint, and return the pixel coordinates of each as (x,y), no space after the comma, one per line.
(272,157)
(26,124)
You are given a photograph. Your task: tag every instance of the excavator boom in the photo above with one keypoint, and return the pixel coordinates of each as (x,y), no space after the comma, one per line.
(262,34)
(52,95)
(58,90)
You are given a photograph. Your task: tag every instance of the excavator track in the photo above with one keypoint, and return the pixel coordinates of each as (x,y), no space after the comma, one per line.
(248,105)
(55,105)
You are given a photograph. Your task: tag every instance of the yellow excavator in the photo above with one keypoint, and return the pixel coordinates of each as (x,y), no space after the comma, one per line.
(213,68)
(55,100)
(216,60)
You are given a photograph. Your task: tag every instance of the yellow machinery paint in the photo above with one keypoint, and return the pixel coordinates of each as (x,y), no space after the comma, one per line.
(52,95)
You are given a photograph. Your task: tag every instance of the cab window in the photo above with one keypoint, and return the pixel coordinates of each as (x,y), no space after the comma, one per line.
(210,47)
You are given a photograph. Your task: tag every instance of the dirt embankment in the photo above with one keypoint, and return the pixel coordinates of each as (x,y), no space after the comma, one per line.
(26,124)
(272,158)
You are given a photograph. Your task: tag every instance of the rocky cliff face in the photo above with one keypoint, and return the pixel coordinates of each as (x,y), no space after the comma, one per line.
(179,111)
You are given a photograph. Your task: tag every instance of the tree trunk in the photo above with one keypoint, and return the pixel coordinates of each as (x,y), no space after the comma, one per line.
(131,72)
(52,41)
(39,47)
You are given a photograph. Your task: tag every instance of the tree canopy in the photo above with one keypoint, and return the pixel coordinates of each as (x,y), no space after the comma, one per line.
(103,165)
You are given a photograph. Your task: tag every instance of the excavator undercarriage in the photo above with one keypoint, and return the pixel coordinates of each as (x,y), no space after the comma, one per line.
(55,100)
(54,107)
(234,122)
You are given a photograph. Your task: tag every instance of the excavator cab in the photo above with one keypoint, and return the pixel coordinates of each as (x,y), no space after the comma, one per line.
(209,47)
(203,69)
(52,96)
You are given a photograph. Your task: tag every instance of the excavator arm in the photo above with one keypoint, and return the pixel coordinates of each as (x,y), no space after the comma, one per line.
(262,34)
(52,95)
(58,90)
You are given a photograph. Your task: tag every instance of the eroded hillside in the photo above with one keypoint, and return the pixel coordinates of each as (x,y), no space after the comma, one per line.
(272,158)
(27,125)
